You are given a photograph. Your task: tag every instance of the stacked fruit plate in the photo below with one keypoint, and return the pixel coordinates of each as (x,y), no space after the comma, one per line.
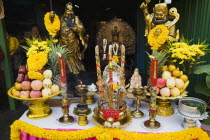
(25,88)
(36,92)
(172,84)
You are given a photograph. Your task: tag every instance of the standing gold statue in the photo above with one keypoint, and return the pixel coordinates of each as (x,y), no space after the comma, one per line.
(162,16)
(72,32)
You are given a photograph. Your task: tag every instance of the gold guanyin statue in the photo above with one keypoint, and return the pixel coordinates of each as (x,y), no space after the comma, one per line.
(161,16)
(71,34)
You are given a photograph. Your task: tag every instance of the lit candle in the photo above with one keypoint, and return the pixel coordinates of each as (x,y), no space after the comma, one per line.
(110,66)
(62,67)
(98,69)
(122,65)
(153,82)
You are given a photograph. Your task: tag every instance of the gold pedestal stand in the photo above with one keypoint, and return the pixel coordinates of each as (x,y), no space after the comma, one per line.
(82,91)
(66,119)
(152,123)
(164,107)
(82,115)
(139,93)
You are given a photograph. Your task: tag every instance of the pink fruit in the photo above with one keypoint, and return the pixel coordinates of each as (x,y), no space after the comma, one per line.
(161,82)
(20,78)
(26,77)
(36,85)
(35,94)
(165,92)
(24,94)
(22,70)
(26,85)
(157,90)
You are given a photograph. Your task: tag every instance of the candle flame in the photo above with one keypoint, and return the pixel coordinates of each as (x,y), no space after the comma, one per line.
(80,82)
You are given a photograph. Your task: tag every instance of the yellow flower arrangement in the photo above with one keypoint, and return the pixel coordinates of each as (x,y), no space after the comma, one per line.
(35,75)
(13,44)
(37,61)
(52,27)
(187,52)
(102,133)
(158,36)
(37,47)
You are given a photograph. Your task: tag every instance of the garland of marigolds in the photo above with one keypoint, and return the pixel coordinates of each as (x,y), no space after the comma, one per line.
(102,133)
(156,41)
(52,27)
(13,44)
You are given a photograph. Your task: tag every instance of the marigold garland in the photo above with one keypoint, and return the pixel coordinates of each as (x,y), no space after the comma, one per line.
(37,47)
(156,41)
(102,133)
(13,44)
(37,61)
(35,75)
(52,27)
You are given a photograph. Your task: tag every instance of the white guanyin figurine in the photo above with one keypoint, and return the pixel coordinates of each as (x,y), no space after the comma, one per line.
(136,80)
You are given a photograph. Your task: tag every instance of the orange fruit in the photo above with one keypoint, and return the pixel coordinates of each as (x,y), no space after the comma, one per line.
(184,78)
(174,77)
(171,68)
(16,94)
(176,73)
(13,91)
(164,68)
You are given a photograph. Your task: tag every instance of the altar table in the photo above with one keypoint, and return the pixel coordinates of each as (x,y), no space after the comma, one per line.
(168,124)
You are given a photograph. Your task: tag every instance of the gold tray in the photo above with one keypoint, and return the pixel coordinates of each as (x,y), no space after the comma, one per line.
(123,122)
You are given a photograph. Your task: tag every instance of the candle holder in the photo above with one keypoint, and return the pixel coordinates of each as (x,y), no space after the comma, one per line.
(139,93)
(82,111)
(65,119)
(152,123)
(82,91)
(90,98)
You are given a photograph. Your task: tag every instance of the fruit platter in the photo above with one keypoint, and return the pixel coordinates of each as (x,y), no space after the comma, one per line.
(35,92)
(171,85)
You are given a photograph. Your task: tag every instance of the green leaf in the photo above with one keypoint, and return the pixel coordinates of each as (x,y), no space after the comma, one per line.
(25,47)
(203,89)
(202,69)
(208,81)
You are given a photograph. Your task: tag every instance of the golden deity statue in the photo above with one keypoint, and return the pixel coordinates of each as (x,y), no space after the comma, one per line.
(71,34)
(161,16)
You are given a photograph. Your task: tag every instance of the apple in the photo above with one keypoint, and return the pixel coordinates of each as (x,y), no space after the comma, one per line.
(161,82)
(26,77)
(165,92)
(36,85)
(20,78)
(18,86)
(24,94)
(26,85)
(22,70)
(35,94)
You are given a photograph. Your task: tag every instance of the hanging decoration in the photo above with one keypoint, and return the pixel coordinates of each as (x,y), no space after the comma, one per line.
(52,26)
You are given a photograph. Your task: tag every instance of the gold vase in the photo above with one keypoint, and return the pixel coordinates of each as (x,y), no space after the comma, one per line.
(38,108)
(164,107)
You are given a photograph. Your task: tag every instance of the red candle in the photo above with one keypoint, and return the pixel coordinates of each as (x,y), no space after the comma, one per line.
(62,67)
(153,82)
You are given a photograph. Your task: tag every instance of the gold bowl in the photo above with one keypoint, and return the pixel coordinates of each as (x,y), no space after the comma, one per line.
(38,108)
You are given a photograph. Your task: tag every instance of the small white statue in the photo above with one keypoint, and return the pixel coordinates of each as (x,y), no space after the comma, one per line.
(136,80)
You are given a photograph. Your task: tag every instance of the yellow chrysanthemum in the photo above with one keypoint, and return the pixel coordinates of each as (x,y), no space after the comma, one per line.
(158,36)
(115,58)
(37,61)
(13,45)
(35,75)
(52,27)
